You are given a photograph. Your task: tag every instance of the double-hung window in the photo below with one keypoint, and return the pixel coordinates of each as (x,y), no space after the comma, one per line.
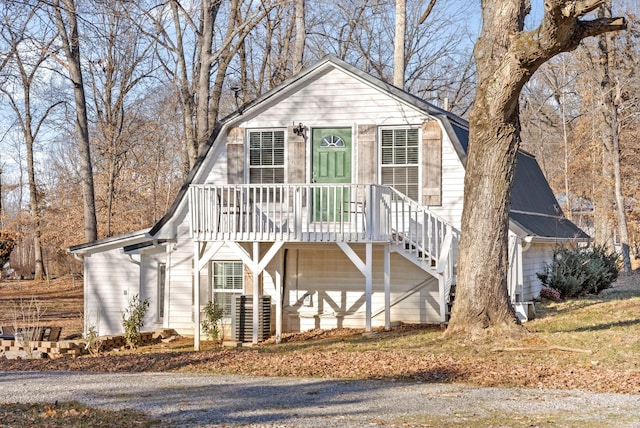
(266,159)
(266,156)
(227,282)
(400,160)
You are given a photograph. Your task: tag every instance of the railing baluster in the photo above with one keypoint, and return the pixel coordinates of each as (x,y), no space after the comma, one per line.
(310,212)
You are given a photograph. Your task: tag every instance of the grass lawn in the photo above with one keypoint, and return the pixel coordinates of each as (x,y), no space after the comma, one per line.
(590,344)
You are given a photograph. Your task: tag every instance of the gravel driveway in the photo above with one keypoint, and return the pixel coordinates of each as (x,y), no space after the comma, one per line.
(203,400)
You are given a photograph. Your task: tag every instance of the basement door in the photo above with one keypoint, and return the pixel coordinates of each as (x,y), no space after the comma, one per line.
(331,164)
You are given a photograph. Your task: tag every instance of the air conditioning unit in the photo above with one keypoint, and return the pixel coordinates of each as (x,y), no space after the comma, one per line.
(242,318)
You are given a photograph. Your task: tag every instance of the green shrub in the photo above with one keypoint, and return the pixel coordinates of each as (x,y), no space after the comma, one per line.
(212,314)
(578,271)
(133,320)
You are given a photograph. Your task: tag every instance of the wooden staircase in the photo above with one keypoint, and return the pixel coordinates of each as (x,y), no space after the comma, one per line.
(428,241)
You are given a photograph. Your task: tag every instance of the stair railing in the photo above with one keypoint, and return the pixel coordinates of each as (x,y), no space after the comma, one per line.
(429,238)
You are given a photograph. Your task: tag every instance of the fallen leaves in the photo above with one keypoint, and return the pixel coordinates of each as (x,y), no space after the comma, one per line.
(69,414)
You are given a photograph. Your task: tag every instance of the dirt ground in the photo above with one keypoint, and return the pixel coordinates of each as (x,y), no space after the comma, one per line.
(412,353)
(60,302)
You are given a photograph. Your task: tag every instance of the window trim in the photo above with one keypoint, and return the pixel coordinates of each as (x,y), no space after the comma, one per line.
(420,154)
(285,156)
(211,285)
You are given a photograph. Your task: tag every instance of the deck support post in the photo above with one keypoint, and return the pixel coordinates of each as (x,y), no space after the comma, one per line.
(280,296)
(196,295)
(256,265)
(387,287)
(368,277)
(256,291)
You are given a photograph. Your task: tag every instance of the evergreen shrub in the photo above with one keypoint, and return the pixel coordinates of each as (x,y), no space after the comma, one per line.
(577,271)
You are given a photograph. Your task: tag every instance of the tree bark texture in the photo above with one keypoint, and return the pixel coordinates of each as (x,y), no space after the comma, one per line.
(301,34)
(71,45)
(506,58)
(398,51)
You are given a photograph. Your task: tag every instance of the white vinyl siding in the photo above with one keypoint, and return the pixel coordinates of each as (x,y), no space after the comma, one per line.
(533,261)
(110,280)
(266,156)
(227,282)
(400,160)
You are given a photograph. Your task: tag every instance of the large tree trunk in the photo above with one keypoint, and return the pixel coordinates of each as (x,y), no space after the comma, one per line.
(71,45)
(506,57)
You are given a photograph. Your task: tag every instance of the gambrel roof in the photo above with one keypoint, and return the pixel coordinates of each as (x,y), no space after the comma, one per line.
(534,209)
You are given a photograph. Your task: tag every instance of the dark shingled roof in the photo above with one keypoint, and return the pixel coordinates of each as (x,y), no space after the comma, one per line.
(534,207)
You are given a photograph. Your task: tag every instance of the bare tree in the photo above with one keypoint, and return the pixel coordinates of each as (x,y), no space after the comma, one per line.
(29,53)
(66,19)
(120,64)
(199,73)
(400,37)
(438,63)
(506,57)
(609,131)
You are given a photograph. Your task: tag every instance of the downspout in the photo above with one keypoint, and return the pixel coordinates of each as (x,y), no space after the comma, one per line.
(132,260)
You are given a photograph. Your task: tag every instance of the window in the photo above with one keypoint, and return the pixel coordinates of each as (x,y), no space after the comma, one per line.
(400,160)
(228,279)
(332,141)
(162,275)
(266,157)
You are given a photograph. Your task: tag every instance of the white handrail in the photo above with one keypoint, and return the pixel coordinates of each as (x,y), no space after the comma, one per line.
(291,212)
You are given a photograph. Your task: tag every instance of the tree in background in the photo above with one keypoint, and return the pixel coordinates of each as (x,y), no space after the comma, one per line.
(506,58)
(572,107)
(26,91)
(65,17)
(118,69)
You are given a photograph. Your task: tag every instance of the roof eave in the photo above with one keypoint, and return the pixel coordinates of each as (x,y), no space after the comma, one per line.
(110,242)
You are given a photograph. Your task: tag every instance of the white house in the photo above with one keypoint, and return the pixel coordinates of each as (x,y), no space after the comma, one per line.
(335,201)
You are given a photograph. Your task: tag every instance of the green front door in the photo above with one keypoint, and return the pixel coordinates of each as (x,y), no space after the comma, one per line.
(331,164)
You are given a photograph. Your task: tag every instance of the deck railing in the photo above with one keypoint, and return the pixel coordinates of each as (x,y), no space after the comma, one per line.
(290,212)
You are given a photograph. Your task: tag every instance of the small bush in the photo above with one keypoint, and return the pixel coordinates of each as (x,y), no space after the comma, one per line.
(579,271)
(93,343)
(27,315)
(212,314)
(133,320)
(550,293)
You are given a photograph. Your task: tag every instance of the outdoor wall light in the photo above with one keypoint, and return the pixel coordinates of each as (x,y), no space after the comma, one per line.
(299,129)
